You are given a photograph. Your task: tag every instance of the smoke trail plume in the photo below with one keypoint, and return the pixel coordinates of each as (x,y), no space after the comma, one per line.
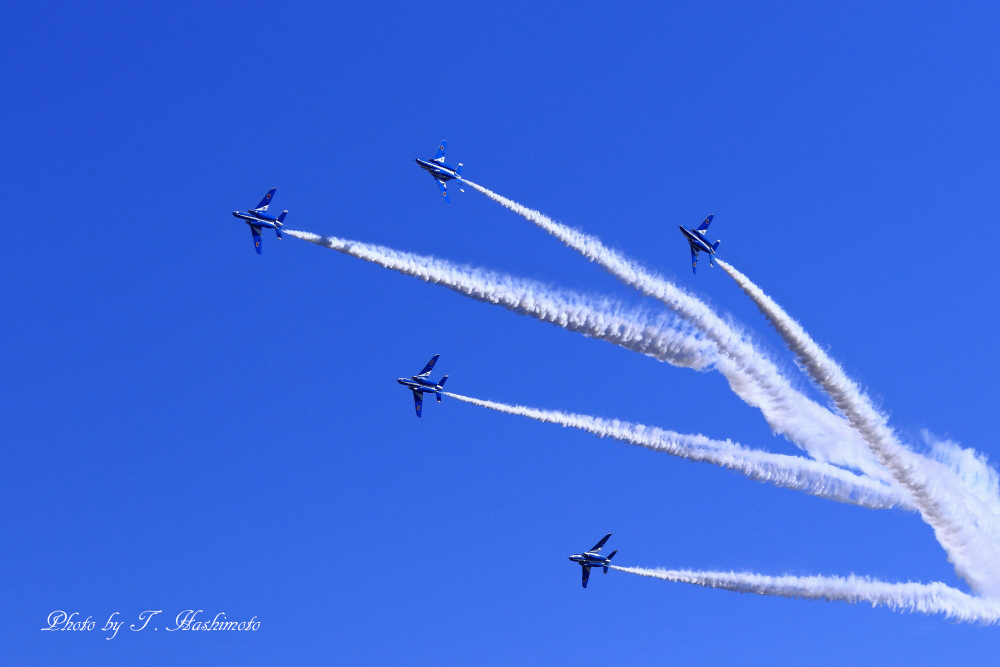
(933,598)
(597,319)
(751,375)
(793,472)
(965,525)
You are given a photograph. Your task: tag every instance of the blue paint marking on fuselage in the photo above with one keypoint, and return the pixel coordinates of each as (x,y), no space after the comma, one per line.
(439,169)
(590,559)
(259,219)
(695,239)
(423,386)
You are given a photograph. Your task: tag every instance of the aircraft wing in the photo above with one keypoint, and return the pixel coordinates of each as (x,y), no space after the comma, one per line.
(694,260)
(703,227)
(429,367)
(443,188)
(256,237)
(586,575)
(418,401)
(439,156)
(597,547)
(266,201)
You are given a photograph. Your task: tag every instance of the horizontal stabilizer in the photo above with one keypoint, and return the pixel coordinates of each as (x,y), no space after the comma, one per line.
(281,218)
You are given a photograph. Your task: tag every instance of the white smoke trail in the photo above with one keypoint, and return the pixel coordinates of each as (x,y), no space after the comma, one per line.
(933,598)
(965,525)
(751,375)
(597,319)
(793,472)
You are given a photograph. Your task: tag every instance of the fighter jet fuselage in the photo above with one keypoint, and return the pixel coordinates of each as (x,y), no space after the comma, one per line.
(589,558)
(419,384)
(441,172)
(257,219)
(696,239)
(593,558)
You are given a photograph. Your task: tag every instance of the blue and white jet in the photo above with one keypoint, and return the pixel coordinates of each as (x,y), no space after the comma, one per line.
(257,220)
(696,237)
(420,385)
(593,558)
(441,172)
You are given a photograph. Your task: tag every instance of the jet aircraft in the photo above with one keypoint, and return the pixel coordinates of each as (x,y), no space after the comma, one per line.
(593,558)
(696,238)
(441,172)
(256,219)
(420,384)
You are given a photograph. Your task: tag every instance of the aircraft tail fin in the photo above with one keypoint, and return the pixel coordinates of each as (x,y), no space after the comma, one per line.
(612,554)
(277,224)
(458,172)
(715,246)
(440,384)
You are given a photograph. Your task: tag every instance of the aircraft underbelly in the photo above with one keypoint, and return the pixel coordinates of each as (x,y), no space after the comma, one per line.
(701,247)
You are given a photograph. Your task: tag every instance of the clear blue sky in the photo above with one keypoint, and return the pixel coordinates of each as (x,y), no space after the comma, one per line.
(186,424)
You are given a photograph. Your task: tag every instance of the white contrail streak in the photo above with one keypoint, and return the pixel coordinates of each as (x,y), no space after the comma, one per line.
(965,526)
(793,472)
(597,319)
(933,598)
(751,375)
